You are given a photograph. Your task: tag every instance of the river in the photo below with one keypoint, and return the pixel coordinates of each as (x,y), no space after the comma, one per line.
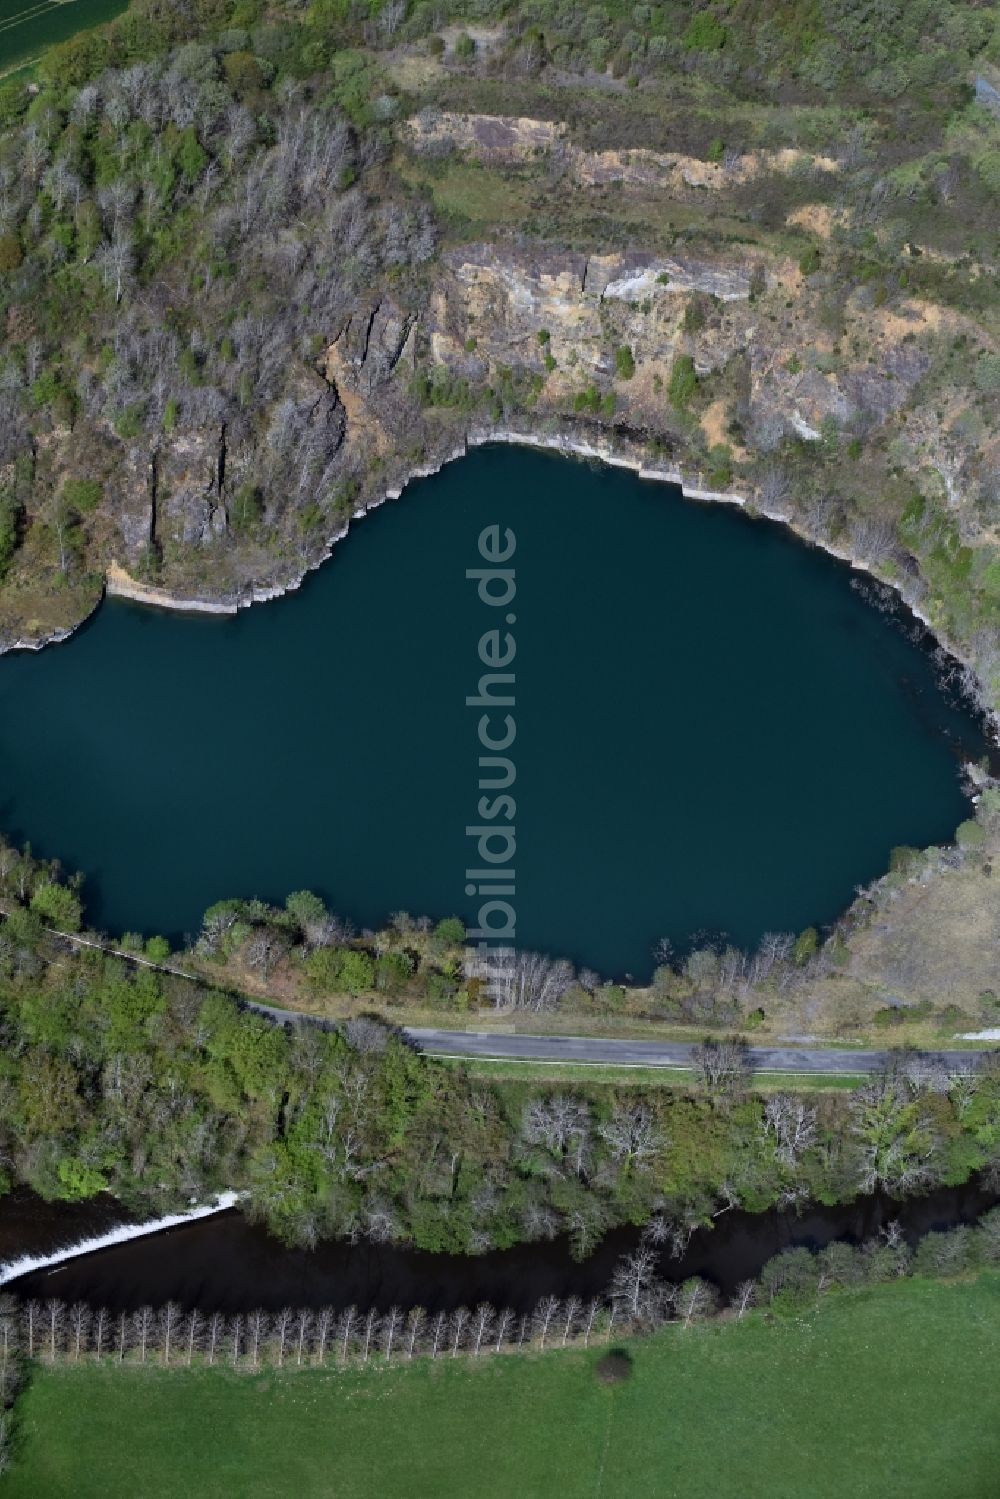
(226,1263)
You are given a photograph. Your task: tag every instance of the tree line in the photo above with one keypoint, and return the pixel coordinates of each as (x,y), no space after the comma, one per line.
(126,1079)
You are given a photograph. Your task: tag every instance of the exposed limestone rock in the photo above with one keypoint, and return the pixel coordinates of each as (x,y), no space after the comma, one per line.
(371,344)
(130,497)
(188,498)
(510,140)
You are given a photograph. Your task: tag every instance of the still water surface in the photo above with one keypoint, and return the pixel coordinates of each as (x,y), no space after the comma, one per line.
(716,731)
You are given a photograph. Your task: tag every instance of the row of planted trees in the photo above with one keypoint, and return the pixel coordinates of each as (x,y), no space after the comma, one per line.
(638,1300)
(294,1336)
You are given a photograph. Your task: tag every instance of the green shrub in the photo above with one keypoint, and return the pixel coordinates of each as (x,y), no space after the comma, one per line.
(340,970)
(720,471)
(465,46)
(246,509)
(624,362)
(806,946)
(128,423)
(988,373)
(10,517)
(683,382)
(10,253)
(705,33)
(392,971)
(970,836)
(451,930)
(83,495)
(58,906)
(809,261)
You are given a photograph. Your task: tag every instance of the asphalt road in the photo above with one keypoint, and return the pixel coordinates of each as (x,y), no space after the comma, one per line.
(653,1053)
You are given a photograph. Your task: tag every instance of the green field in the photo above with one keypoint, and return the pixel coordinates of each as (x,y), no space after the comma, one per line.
(27,27)
(884,1393)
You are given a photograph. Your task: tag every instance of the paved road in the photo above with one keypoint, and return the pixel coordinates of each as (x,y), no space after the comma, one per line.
(653,1053)
(506,1046)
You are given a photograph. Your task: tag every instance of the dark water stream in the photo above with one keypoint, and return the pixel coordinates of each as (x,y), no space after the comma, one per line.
(226,1263)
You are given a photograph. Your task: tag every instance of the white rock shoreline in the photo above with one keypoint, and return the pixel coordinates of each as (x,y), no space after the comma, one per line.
(120,585)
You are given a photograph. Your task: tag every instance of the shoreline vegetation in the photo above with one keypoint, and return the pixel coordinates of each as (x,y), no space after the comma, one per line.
(127,1079)
(304,958)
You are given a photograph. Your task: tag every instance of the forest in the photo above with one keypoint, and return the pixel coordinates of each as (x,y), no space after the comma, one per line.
(159,1089)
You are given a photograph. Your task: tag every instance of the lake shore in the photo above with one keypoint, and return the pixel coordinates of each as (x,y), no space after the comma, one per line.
(619,452)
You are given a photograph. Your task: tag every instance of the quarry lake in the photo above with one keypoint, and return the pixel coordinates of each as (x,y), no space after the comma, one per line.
(717,729)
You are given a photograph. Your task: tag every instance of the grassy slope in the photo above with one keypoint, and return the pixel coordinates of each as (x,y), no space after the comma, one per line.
(884,1393)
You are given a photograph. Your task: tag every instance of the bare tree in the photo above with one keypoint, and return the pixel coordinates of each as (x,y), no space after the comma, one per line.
(282,1329)
(216,1329)
(345,1330)
(723,1065)
(371,1324)
(257,1325)
(504,1322)
(323,1325)
(55,1317)
(482,1322)
(634,1286)
(459,1323)
(743,1298)
(631,1135)
(589,1318)
(170,1322)
(521,980)
(79,1324)
(440,1322)
(235,1338)
(33,1323)
(115,261)
(545,1311)
(695,1300)
(775,491)
(391,1323)
(571,1311)
(303,1327)
(194,1321)
(415,1319)
(792,1123)
(100,1330)
(562,1124)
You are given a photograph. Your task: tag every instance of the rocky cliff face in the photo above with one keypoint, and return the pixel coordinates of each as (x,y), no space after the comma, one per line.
(226,515)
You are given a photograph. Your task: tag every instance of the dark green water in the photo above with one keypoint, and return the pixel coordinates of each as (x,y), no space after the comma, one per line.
(28,27)
(714,730)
